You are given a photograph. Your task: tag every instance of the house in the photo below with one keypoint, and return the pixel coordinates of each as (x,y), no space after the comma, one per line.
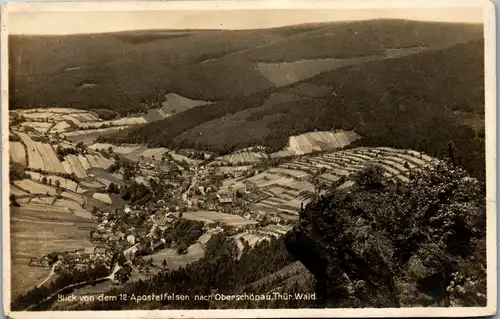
(131,239)
(224,204)
(175,215)
(100,250)
(97,237)
(225,201)
(127,210)
(80,266)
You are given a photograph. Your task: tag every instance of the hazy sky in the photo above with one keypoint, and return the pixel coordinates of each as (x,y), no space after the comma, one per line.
(68,22)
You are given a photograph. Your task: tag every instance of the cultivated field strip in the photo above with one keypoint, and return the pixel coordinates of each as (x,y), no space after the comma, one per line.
(68,204)
(60,127)
(211,217)
(84,162)
(76,166)
(287,185)
(63,182)
(17,153)
(102,197)
(93,131)
(14,190)
(49,166)
(41,115)
(54,160)
(40,127)
(320,141)
(67,167)
(73,197)
(32,187)
(34,158)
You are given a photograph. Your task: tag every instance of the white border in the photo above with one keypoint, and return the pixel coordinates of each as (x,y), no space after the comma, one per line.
(490,130)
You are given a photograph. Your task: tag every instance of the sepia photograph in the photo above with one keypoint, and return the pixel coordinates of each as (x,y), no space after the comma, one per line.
(249,159)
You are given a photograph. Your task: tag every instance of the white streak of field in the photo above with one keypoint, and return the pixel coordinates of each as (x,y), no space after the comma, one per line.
(102,197)
(40,127)
(67,167)
(64,182)
(53,159)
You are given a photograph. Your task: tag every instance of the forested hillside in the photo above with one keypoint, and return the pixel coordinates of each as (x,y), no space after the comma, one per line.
(131,71)
(388,245)
(379,244)
(394,102)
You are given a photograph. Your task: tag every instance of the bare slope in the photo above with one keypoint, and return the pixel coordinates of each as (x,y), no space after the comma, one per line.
(407,102)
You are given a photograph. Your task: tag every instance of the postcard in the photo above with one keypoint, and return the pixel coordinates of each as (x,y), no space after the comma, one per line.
(249,159)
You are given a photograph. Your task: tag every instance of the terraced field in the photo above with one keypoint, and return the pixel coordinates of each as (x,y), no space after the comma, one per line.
(80,164)
(287,186)
(34,188)
(41,155)
(60,127)
(63,182)
(88,136)
(302,144)
(34,158)
(40,127)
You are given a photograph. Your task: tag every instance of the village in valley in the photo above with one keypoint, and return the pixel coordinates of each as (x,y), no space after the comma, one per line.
(127,211)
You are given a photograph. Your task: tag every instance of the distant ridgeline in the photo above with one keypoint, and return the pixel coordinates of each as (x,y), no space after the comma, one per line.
(131,72)
(393,102)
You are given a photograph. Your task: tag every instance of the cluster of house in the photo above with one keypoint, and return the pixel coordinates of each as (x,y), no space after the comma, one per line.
(75,260)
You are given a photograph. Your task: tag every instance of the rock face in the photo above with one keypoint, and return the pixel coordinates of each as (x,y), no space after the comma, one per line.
(353,272)
(381,244)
